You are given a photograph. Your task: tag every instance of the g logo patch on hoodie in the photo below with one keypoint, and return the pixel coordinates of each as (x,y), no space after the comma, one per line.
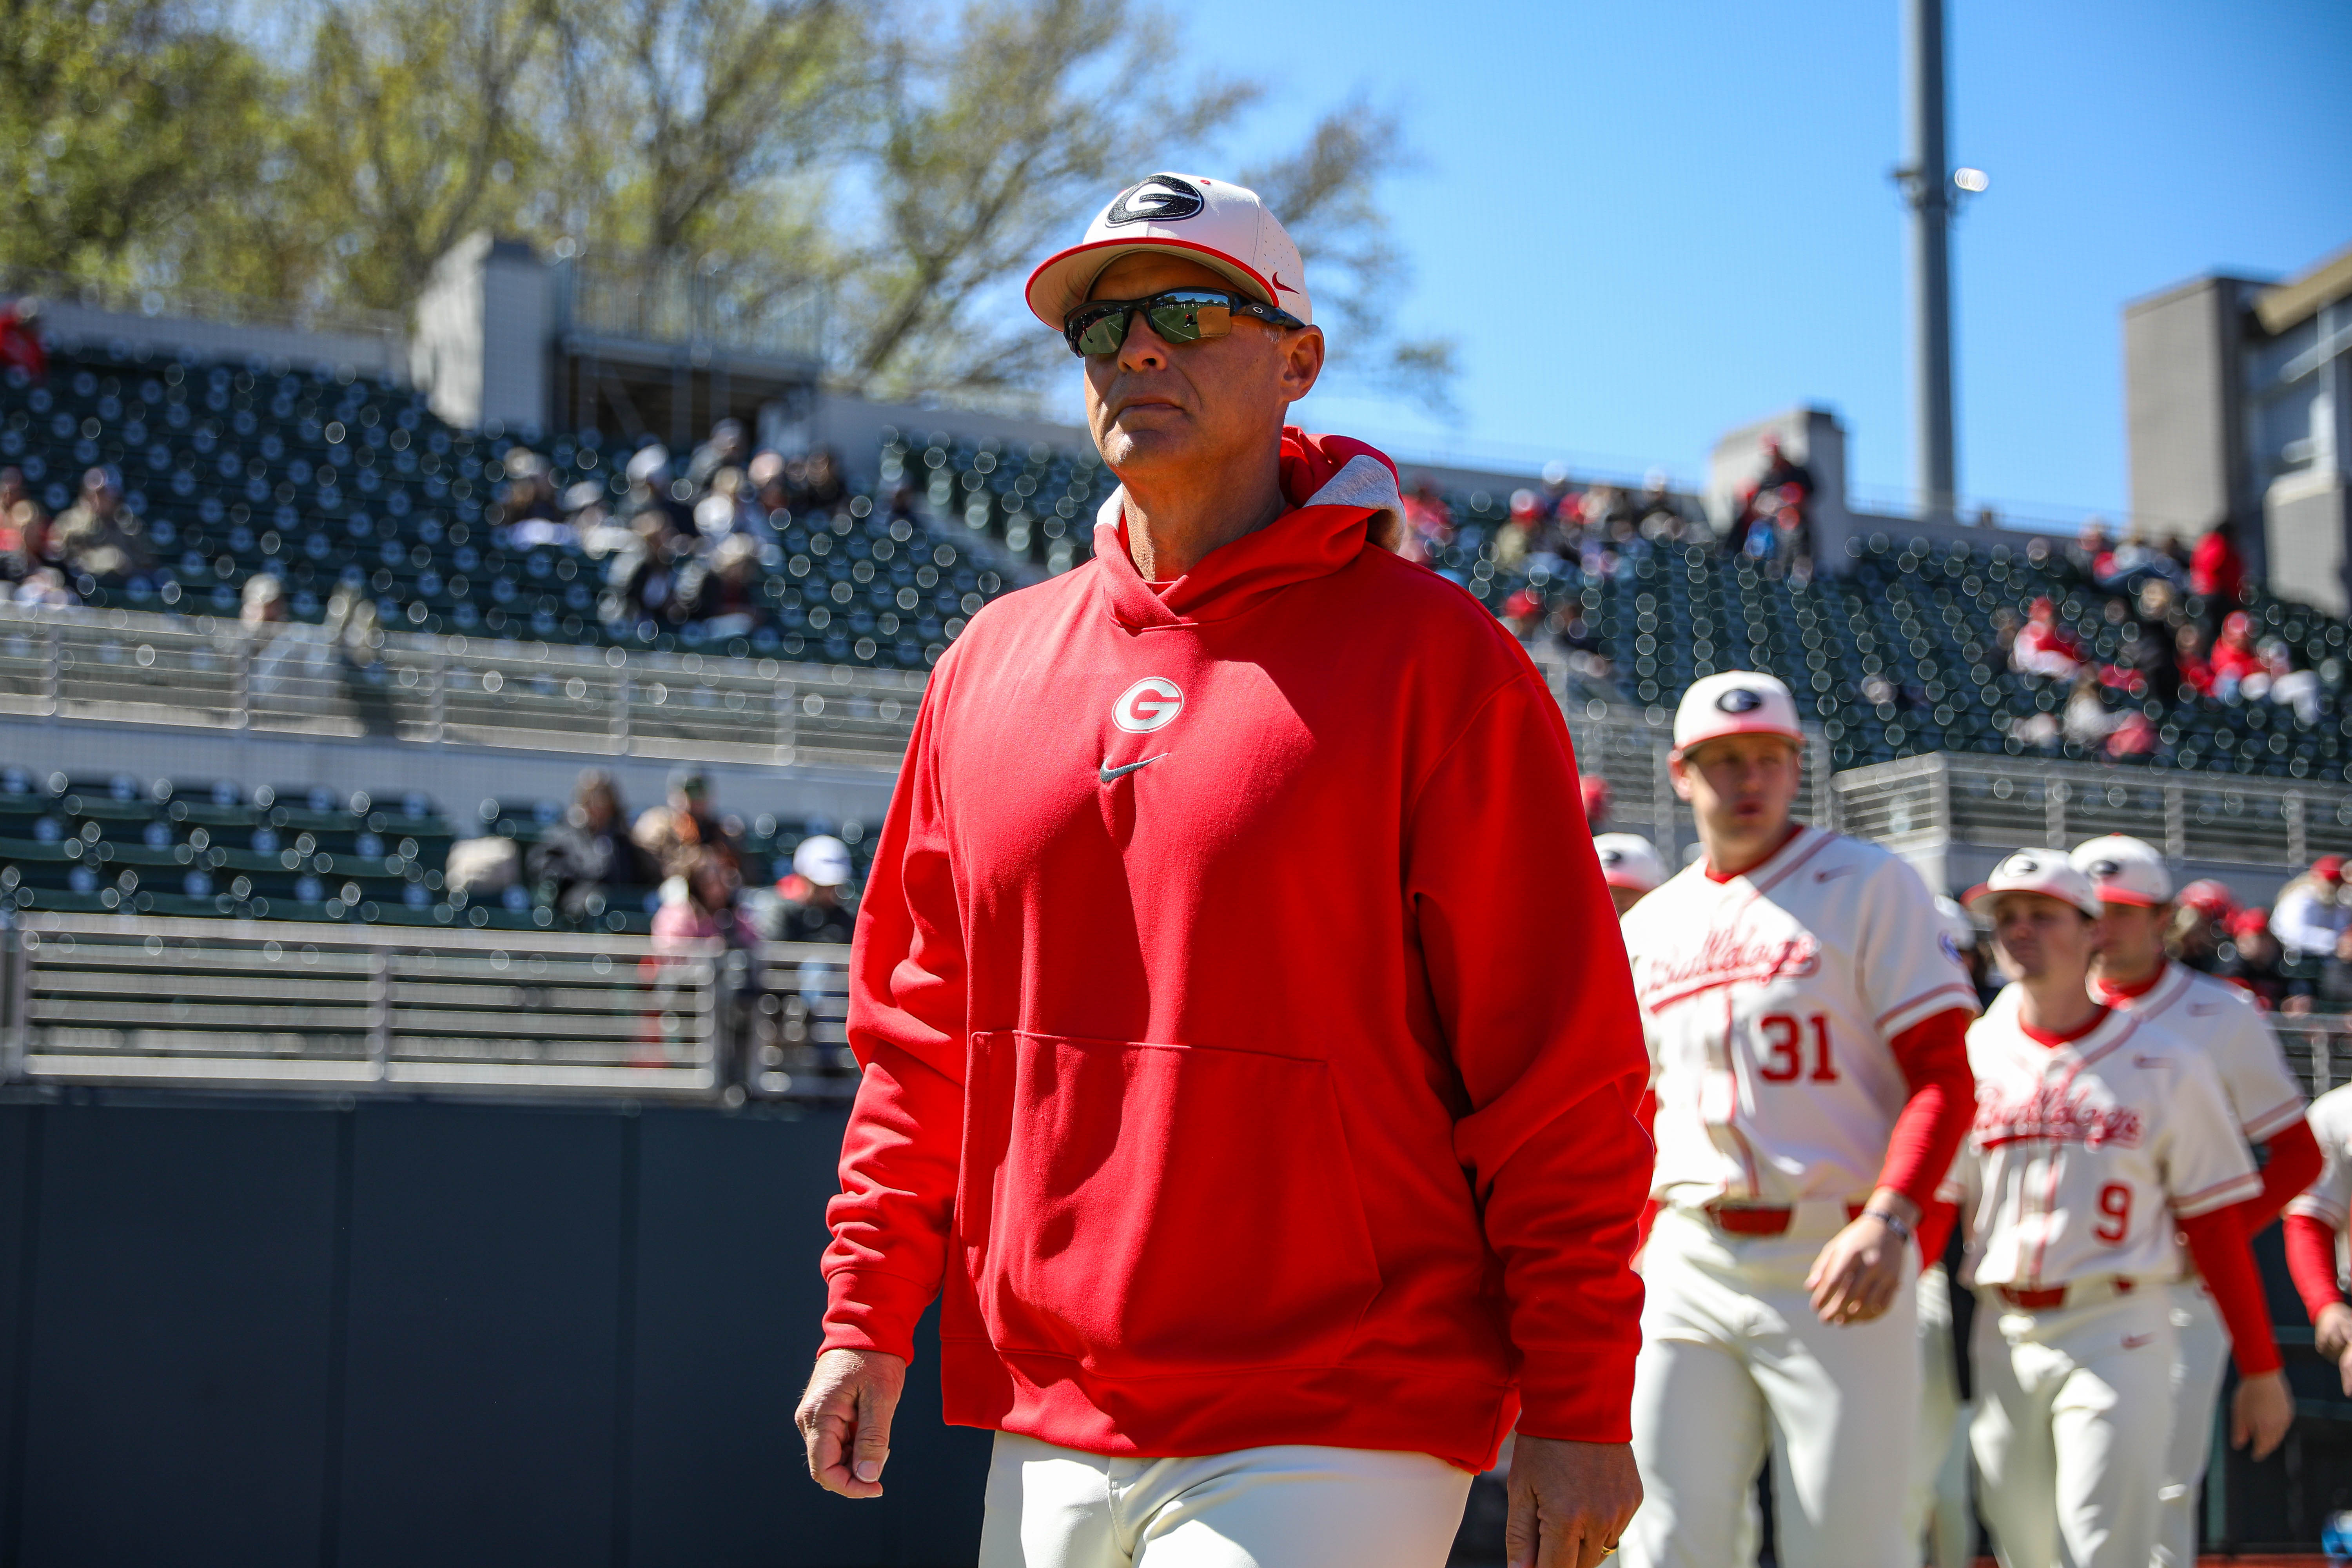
(1151,703)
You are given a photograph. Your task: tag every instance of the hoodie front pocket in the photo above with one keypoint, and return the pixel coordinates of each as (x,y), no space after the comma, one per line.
(1155,1209)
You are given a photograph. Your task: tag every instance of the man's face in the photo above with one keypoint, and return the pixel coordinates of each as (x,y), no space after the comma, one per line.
(2135,936)
(2038,937)
(1153,406)
(1742,784)
(1625,899)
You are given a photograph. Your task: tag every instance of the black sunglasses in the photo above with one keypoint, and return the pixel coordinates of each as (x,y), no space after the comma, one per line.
(1179,316)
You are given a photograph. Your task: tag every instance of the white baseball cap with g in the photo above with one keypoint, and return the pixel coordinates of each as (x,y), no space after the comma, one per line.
(1630,861)
(1736,702)
(2126,870)
(823,860)
(2044,871)
(1214,222)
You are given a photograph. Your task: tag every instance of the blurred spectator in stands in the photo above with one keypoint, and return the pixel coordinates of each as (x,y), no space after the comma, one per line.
(2278,680)
(722,591)
(263,602)
(649,497)
(1427,521)
(686,820)
(1596,793)
(21,348)
(1513,539)
(2201,915)
(21,528)
(12,490)
(2134,735)
(2216,570)
(2135,562)
(2189,658)
(96,537)
(726,449)
(2234,655)
(2251,959)
(590,851)
(2333,991)
(1780,498)
(2093,552)
(45,587)
(698,903)
(351,626)
(528,497)
(2043,648)
(1969,945)
(2087,723)
(1523,612)
(2312,910)
(2146,657)
(1657,516)
(772,495)
(815,901)
(822,486)
(2159,601)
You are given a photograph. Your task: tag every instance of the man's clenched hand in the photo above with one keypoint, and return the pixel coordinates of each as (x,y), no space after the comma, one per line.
(1569,1501)
(845,1419)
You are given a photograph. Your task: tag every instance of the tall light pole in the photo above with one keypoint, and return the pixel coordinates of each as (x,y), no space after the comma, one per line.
(1927,189)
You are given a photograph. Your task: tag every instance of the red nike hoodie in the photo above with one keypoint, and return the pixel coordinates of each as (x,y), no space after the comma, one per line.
(1249,1052)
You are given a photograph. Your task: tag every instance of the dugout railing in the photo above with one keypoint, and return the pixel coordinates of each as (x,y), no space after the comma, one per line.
(281,1005)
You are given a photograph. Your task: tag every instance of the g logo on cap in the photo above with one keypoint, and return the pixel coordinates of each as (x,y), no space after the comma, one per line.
(1740,699)
(2102,869)
(1611,856)
(1163,198)
(2021,864)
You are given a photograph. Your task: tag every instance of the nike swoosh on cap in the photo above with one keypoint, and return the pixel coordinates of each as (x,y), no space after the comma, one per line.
(1109,773)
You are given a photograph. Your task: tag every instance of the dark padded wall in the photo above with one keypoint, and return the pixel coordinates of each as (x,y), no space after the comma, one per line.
(280,1334)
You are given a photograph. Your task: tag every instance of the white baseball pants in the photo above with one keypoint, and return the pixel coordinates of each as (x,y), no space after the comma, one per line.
(1735,1365)
(2200,1352)
(1286,1506)
(1939,1510)
(2074,1410)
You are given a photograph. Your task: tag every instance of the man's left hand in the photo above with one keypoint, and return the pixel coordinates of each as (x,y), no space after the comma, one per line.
(1569,1501)
(1857,1274)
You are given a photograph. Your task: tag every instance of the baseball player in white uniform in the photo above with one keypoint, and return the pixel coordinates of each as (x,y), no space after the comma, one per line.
(1806,1021)
(2132,975)
(2316,1253)
(1631,866)
(2097,1135)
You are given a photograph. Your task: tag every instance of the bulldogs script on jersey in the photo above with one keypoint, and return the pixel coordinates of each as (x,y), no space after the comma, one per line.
(2084,1154)
(1769,1000)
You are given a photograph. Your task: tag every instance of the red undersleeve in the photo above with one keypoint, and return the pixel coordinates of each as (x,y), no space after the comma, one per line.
(2311,1260)
(1934,1057)
(1935,1222)
(2294,1165)
(2218,1243)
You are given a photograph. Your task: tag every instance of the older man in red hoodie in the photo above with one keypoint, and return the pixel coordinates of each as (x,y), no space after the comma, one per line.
(1250,1060)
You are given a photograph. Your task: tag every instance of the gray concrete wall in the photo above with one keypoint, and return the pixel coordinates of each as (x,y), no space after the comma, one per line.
(2180,406)
(483,325)
(366,353)
(2308,518)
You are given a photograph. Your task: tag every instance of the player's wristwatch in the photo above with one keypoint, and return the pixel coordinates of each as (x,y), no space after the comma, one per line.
(1890,1220)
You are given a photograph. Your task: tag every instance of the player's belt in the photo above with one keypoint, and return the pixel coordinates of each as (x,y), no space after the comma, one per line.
(1759,1219)
(2055,1296)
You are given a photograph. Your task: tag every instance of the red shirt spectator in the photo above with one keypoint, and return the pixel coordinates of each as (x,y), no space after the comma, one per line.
(2216,569)
(1595,791)
(2234,657)
(2045,648)
(20,340)
(2195,670)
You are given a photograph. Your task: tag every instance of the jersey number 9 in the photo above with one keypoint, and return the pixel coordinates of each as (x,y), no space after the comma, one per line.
(2114,1206)
(1784,1055)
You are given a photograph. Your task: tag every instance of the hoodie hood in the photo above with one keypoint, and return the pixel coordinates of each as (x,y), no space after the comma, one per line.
(1336,488)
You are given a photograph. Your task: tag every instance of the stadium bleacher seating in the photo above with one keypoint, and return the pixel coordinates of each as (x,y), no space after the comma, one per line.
(324,479)
(174,846)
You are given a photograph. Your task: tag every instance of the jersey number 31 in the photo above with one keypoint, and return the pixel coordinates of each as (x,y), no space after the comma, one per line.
(1784,1054)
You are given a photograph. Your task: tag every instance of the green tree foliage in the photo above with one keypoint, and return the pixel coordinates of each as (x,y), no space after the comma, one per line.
(909,167)
(118,117)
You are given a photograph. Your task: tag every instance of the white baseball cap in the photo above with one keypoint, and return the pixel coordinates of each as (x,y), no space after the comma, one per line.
(2046,871)
(1214,222)
(1959,928)
(2124,870)
(1736,702)
(1629,860)
(823,860)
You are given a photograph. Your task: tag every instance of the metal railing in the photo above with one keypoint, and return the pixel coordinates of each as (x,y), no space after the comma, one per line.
(244,1005)
(195,671)
(2008,802)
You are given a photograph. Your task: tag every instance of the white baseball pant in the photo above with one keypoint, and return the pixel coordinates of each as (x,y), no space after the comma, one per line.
(2074,1409)
(1286,1507)
(2200,1352)
(1735,1365)
(1939,1510)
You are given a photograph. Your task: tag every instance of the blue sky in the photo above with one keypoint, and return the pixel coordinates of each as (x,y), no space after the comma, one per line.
(1648,222)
